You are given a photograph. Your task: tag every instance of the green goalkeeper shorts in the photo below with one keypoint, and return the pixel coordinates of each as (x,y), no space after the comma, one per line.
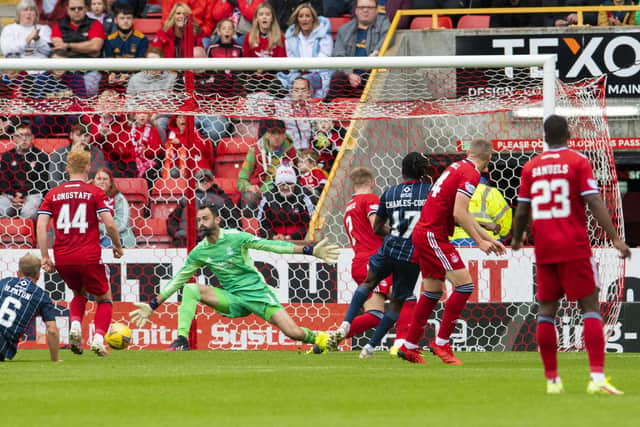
(231,305)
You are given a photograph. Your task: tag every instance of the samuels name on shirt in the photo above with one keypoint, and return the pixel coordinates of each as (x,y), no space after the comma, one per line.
(553,169)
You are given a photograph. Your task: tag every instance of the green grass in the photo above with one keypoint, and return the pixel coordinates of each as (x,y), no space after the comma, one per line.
(260,388)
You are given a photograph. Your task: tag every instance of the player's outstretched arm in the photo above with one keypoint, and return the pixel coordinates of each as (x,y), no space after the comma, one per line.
(600,212)
(41,236)
(323,250)
(53,340)
(520,222)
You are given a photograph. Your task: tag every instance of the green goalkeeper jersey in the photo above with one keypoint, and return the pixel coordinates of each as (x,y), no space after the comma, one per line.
(229,259)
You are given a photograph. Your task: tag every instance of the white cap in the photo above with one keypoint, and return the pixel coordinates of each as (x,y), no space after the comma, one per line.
(285,175)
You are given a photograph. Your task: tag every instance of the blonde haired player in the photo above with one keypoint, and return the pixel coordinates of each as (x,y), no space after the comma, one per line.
(75,207)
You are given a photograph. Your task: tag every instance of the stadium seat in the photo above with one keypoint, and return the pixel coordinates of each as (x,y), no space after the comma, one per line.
(6,145)
(162,210)
(49,145)
(250,225)
(338,22)
(168,189)
(230,186)
(153,232)
(474,21)
(426,23)
(133,189)
(148,26)
(234,145)
(17,233)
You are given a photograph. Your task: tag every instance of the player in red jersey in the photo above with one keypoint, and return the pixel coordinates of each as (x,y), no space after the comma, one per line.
(447,204)
(554,187)
(75,207)
(359,216)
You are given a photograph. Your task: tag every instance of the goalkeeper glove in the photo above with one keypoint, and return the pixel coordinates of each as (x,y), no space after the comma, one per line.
(143,312)
(323,250)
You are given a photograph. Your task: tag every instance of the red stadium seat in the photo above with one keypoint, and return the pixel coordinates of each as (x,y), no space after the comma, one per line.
(162,210)
(133,189)
(168,189)
(338,22)
(49,145)
(426,23)
(474,21)
(6,145)
(250,225)
(17,233)
(234,145)
(148,26)
(152,231)
(230,187)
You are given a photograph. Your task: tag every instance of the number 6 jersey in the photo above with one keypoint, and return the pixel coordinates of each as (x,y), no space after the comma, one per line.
(74,207)
(554,183)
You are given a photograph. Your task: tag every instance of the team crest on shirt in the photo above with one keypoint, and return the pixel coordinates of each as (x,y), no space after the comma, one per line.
(229,252)
(470,187)
(454,257)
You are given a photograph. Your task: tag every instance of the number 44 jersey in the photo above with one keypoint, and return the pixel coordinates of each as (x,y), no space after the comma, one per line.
(74,207)
(554,183)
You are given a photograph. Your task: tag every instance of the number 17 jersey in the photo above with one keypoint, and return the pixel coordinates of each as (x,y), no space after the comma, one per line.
(554,183)
(74,207)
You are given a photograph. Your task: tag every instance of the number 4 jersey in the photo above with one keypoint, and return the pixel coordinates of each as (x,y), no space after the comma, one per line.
(74,207)
(554,183)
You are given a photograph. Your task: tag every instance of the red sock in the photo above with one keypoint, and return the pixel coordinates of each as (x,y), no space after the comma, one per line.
(362,323)
(594,341)
(421,314)
(402,325)
(452,309)
(548,347)
(76,307)
(103,317)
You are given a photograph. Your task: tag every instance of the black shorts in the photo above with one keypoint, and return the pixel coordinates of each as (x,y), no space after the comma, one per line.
(405,274)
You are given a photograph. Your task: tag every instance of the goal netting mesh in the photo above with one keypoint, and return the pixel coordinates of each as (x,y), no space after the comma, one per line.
(174,140)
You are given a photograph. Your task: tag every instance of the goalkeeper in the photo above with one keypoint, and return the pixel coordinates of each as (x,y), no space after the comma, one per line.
(244,290)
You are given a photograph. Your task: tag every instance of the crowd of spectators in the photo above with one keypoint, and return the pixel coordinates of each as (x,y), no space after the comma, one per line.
(283,172)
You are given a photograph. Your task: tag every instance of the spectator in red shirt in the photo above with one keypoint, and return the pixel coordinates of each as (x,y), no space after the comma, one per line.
(145,147)
(311,177)
(205,12)
(169,37)
(78,36)
(179,149)
(265,40)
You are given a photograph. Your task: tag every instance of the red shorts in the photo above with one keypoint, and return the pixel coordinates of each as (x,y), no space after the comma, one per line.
(576,279)
(435,256)
(359,270)
(92,278)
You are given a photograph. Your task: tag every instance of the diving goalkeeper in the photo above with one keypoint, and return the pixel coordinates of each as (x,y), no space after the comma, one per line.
(244,290)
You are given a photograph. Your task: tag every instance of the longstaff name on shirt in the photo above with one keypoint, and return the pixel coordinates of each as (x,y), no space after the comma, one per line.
(553,169)
(82,195)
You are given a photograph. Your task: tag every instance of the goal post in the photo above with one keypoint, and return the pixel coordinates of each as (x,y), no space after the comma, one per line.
(435,105)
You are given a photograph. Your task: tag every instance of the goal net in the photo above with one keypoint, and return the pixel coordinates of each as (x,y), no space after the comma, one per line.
(177,134)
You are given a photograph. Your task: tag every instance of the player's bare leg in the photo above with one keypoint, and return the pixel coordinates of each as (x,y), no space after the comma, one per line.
(102,322)
(593,334)
(285,323)
(76,313)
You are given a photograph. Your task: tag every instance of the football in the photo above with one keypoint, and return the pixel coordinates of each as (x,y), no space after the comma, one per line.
(119,336)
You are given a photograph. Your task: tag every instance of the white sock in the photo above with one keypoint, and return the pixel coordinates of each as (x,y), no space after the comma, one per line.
(369,349)
(345,326)
(556,380)
(597,376)
(75,324)
(441,341)
(409,345)
(98,339)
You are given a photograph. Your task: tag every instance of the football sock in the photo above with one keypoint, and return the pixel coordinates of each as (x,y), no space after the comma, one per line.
(452,309)
(421,314)
(77,307)
(103,316)
(187,308)
(359,297)
(593,335)
(75,324)
(364,322)
(402,324)
(548,345)
(388,320)
(98,339)
(309,336)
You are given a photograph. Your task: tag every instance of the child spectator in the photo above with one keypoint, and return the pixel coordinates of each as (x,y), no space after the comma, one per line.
(326,142)
(311,176)
(99,10)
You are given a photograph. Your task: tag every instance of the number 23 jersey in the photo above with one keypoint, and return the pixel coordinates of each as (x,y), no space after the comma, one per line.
(74,207)
(554,183)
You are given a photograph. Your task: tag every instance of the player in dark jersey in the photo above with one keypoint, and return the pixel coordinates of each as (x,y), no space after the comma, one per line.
(75,207)
(554,188)
(20,301)
(396,218)
(447,204)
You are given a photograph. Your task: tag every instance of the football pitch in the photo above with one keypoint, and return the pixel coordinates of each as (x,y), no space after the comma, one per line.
(280,388)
